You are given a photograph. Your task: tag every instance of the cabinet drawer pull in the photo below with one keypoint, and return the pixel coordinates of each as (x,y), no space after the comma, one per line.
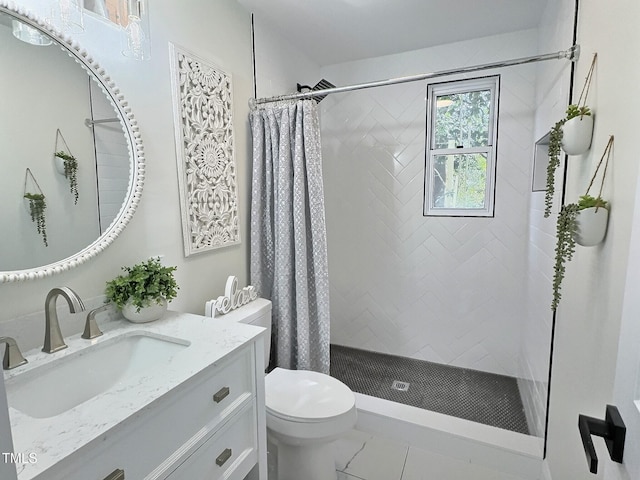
(223,457)
(221,394)
(115,475)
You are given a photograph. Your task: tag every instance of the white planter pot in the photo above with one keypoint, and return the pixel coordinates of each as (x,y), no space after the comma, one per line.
(591,226)
(576,135)
(150,313)
(59,163)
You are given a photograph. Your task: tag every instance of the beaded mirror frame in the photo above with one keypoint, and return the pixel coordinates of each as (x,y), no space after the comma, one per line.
(131,133)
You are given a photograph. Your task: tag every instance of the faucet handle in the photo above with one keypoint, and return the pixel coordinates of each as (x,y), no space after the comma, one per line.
(12,356)
(91,329)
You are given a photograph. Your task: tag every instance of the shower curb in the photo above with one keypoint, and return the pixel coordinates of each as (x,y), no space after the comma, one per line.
(502,450)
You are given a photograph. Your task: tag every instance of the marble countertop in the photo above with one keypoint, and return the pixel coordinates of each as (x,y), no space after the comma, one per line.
(52,439)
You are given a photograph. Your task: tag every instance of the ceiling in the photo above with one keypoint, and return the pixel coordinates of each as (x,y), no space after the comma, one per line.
(335,31)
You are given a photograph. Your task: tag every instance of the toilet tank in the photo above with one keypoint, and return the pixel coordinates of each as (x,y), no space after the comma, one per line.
(256,312)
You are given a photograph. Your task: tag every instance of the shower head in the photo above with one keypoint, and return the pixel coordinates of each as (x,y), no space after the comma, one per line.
(321,85)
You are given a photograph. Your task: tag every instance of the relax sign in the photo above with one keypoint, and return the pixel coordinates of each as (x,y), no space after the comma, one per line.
(232,298)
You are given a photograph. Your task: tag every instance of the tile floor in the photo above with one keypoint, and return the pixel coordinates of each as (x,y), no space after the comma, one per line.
(363,456)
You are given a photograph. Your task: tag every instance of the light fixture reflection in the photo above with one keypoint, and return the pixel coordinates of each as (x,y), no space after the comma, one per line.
(135,39)
(29,34)
(68,16)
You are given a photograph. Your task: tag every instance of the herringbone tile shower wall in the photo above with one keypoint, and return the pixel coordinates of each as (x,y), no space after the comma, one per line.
(449,290)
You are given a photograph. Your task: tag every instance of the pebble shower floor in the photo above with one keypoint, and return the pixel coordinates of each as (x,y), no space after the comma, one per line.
(481,397)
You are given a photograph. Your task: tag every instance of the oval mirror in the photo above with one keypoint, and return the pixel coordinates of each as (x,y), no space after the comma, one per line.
(68,139)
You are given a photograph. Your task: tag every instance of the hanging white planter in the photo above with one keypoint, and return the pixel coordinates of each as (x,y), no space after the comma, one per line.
(591,226)
(154,311)
(576,134)
(59,163)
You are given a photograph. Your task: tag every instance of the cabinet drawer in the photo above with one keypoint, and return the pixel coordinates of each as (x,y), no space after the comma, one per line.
(229,454)
(169,428)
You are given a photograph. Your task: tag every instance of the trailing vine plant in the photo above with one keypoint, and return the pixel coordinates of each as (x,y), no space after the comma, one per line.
(565,247)
(70,172)
(37,206)
(555,147)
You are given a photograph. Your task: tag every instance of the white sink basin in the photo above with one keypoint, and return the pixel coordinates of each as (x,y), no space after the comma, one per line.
(63,384)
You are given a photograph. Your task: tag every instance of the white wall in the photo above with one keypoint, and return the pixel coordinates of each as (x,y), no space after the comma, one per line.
(552,96)
(447,290)
(34,105)
(279,64)
(626,389)
(219,31)
(588,320)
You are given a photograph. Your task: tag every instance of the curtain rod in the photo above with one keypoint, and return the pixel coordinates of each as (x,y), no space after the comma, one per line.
(90,123)
(571,54)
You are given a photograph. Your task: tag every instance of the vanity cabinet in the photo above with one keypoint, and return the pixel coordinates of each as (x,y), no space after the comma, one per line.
(231,448)
(209,427)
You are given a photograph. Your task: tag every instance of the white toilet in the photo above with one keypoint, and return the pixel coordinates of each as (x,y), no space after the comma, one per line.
(305,410)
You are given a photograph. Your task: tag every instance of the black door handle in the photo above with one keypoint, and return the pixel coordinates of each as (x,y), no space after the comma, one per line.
(612,429)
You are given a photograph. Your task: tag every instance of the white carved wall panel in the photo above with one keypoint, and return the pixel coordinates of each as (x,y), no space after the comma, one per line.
(202,97)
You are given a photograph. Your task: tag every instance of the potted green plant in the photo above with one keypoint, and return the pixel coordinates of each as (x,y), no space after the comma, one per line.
(37,206)
(69,169)
(583,223)
(143,291)
(571,134)
(577,130)
(591,221)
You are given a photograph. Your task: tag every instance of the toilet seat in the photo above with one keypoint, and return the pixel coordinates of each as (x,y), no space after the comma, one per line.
(304,396)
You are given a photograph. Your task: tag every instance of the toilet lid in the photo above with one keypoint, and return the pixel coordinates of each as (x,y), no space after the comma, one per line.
(302,395)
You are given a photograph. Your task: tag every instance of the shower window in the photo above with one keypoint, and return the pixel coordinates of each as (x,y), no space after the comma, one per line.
(461,147)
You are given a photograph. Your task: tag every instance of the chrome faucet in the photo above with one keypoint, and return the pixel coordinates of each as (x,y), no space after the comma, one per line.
(53,340)
(12,356)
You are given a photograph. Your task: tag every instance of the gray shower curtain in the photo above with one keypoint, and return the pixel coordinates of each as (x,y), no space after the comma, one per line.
(288,234)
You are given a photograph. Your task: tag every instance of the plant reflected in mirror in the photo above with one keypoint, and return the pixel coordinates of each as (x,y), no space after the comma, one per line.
(37,207)
(70,172)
